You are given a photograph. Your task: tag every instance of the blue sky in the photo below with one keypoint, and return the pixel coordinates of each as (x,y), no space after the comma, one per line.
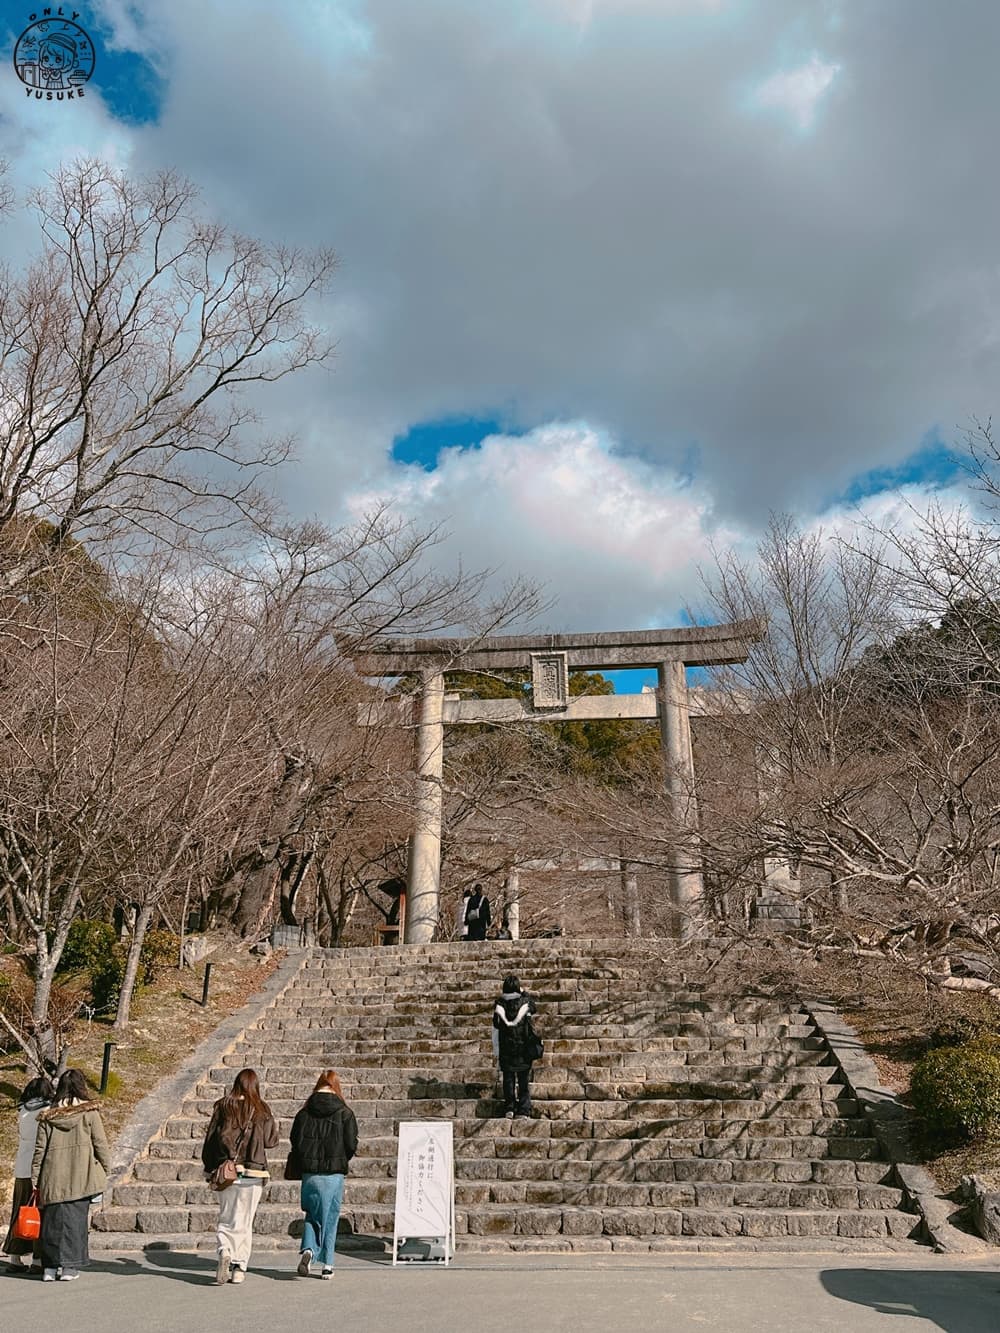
(423,442)
(129,83)
(934,464)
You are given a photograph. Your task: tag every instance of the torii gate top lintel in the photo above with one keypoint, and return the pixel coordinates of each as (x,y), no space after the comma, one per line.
(695,645)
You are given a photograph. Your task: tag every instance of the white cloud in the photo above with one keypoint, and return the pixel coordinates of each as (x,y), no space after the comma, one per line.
(900,511)
(37,136)
(616,542)
(799,91)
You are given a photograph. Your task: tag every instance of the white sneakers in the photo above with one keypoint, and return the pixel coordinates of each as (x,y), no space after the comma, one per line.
(305,1259)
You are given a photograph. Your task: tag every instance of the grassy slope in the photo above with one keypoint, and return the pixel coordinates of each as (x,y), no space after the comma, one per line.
(896,1033)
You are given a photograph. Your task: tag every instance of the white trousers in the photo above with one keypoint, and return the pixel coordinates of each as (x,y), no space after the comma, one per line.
(237,1210)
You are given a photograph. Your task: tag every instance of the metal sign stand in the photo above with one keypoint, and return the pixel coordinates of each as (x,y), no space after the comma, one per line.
(424,1221)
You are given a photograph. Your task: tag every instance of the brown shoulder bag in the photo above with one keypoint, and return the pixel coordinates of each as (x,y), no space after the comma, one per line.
(226,1174)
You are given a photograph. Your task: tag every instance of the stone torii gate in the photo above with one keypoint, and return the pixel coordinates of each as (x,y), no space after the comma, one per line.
(550,658)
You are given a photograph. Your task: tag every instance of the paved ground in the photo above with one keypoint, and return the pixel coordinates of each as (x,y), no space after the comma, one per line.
(173,1293)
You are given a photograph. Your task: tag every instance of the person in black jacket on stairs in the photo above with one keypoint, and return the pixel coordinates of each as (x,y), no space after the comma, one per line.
(324,1138)
(512,1023)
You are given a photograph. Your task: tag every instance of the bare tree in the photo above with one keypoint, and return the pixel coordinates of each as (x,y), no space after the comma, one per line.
(869,745)
(313,599)
(126,350)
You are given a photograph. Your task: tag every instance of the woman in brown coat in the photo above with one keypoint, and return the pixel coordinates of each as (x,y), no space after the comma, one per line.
(241,1130)
(69,1168)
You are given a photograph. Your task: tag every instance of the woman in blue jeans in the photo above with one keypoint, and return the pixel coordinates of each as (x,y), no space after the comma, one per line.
(324,1138)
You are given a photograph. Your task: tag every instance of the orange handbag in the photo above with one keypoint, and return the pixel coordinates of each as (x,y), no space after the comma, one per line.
(28,1225)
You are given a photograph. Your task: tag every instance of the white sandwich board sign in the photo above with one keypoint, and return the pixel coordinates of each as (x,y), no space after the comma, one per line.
(425,1190)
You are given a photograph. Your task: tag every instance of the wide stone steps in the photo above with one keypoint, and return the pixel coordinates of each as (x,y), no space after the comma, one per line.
(662,1153)
(596,1087)
(618,1194)
(708,1116)
(621,1162)
(664,1118)
(541,1220)
(476,1069)
(659,1064)
(601,1038)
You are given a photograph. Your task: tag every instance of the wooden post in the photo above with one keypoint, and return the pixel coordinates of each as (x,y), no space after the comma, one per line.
(630,897)
(513,903)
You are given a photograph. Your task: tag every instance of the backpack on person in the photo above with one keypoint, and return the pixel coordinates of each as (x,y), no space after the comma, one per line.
(533,1044)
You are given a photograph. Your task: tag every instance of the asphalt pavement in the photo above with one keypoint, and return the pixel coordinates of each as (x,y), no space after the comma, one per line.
(163,1292)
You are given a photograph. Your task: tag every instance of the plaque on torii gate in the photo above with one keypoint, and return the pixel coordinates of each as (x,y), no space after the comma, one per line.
(550,658)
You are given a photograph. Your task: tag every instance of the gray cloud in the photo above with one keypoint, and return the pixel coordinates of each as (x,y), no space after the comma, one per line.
(594,220)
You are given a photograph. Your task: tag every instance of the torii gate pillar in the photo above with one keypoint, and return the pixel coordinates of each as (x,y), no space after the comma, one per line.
(423,871)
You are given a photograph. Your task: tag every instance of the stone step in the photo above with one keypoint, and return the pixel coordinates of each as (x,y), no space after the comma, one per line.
(203,1243)
(479,1041)
(361,1035)
(769,1117)
(376,1159)
(525,957)
(553,1017)
(561,1193)
(289,1056)
(548,1083)
(678,1139)
(531,965)
(459,1000)
(542,1220)
(477,1068)
(458,985)
(452,983)
(611,1022)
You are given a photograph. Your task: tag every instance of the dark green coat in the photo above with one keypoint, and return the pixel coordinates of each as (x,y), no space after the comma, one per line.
(71,1159)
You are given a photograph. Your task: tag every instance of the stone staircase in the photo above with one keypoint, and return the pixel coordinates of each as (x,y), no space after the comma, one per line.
(663,1119)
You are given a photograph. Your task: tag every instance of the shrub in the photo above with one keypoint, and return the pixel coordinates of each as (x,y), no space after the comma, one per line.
(94,950)
(963,1026)
(106,979)
(956,1089)
(160,950)
(88,945)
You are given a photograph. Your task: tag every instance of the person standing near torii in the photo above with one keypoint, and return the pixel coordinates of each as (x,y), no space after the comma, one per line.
(477,914)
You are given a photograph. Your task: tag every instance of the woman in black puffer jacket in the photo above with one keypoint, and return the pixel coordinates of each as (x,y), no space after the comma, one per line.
(324,1138)
(511,1020)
